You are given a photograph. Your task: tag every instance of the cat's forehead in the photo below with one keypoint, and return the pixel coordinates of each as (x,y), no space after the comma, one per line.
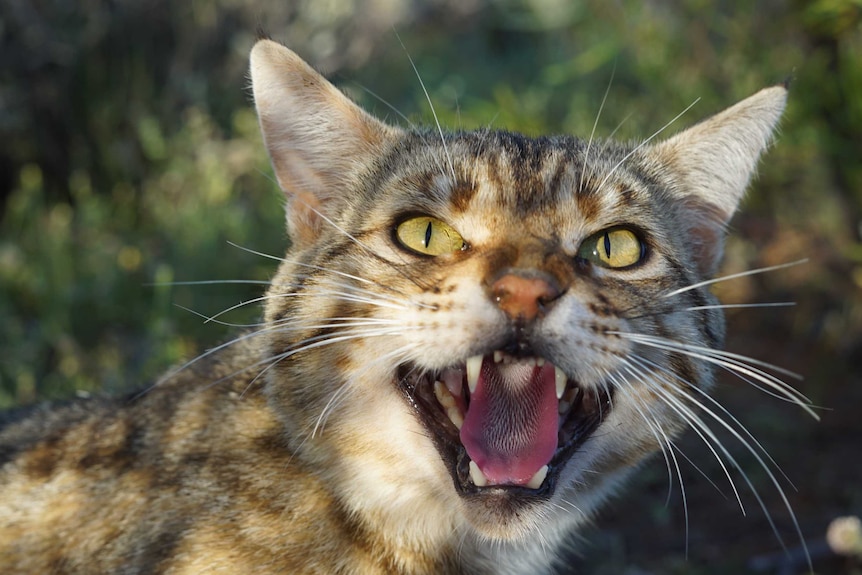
(551,182)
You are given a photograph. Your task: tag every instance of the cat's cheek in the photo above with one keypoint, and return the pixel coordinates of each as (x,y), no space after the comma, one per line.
(582,342)
(450,328)
(620,443)
(391,466)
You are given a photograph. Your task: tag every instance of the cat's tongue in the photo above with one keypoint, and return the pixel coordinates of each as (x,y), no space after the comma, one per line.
(510,428)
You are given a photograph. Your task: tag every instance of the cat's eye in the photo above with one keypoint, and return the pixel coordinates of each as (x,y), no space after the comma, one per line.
(429,236)
(613,248)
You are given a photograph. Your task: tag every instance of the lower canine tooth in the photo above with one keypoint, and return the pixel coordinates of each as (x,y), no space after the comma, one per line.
(538,478)
(455,416)
(479,479)
(474,366)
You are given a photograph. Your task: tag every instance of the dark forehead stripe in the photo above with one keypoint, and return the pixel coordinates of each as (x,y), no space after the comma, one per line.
(529,172)
(461,195)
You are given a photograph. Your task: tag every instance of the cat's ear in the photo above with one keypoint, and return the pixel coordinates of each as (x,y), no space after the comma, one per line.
(317,138)
(713,162)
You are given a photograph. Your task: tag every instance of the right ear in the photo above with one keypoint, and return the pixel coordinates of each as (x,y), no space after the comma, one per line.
(712,163)
(318,140)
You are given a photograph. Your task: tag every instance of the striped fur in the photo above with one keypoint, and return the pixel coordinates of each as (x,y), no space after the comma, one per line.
(307,446)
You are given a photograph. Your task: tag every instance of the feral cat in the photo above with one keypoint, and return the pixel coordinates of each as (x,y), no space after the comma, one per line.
(472,341)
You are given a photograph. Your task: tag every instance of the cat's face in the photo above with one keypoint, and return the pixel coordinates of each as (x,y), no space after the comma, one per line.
(482,332)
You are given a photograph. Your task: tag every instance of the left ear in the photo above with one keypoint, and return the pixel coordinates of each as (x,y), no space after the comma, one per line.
(713,162)
(318,140)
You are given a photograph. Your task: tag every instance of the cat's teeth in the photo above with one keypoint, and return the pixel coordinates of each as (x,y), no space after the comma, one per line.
(455,417)
(540,362)
(560,379)
(443,396)
(479,479)
(441,392)
(474,366)
(498,356)
(537,480)
(564,407)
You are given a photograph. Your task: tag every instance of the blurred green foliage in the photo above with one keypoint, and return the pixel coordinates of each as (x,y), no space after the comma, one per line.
(130,154)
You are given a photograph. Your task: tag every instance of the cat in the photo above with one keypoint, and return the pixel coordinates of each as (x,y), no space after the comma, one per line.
(471,342)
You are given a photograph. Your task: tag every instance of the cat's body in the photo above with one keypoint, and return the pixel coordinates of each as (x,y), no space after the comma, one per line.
(547,285)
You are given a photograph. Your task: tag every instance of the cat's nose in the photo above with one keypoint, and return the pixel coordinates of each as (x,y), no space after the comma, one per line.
(523,298)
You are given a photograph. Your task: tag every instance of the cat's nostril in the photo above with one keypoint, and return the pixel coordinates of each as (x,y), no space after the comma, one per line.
(523,298)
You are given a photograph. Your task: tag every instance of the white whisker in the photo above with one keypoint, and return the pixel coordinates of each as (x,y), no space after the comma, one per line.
(313,343)
(696,422)
(739,365)
(207,353)
(593,131)
(385,102)
(654,427)
(668,373)
(208,282)
(742,305)
(644,143)
(433,111)
(700,429)
(216,321)
(734,276)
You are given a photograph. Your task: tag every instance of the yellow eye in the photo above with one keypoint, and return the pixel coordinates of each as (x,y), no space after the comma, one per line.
(613,248)
(429,236)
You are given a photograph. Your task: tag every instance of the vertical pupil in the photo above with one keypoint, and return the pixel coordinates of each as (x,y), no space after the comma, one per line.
(608,244)
(428,234)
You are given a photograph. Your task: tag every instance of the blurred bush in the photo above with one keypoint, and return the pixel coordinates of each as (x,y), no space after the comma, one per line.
(130,154)
(130,157)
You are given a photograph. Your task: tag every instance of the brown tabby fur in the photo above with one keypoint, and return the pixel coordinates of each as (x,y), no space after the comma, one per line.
(307,446)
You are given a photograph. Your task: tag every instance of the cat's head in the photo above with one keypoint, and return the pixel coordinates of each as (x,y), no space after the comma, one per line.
(482,330)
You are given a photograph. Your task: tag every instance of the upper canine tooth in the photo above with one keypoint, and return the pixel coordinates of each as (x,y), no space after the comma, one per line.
(474,366)
(560,379)
(540,362)
(498,356)
(537,480)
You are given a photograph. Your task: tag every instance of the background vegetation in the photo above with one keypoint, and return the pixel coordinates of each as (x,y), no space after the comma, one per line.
(130,157)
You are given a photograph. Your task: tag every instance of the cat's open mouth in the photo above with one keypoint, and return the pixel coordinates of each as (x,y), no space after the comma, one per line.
(505,422)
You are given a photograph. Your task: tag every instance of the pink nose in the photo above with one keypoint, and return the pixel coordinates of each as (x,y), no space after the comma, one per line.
(523,298)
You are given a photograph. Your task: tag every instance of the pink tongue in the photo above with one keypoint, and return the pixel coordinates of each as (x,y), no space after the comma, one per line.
(510,430)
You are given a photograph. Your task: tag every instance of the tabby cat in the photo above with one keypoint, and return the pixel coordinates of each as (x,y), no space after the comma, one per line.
(473,340)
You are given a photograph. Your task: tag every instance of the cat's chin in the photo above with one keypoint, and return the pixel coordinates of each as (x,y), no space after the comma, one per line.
(504,426)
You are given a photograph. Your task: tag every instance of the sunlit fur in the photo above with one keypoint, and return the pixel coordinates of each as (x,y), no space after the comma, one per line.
(294,449)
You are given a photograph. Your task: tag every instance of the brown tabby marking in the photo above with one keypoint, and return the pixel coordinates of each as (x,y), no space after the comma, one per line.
(472,341)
